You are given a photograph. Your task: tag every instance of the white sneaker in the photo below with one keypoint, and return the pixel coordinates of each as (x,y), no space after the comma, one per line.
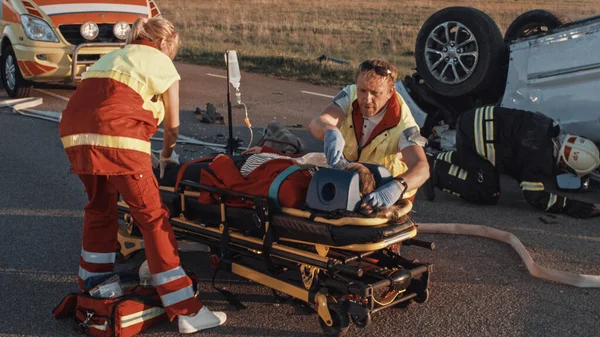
(204,319)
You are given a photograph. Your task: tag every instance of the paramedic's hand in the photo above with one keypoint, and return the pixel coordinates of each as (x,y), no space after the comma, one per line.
(333,146)
(385,196)
(165,162)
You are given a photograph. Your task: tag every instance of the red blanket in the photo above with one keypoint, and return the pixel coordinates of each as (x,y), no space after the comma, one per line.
(227,176)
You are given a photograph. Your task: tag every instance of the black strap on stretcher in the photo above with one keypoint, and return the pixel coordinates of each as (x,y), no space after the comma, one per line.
(263,208)
(265,214)
(225,256)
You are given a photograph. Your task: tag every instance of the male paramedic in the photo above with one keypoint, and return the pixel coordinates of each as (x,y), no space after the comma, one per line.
(369,122)
(525,145)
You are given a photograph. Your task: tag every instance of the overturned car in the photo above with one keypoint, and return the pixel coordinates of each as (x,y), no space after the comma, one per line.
(543,63)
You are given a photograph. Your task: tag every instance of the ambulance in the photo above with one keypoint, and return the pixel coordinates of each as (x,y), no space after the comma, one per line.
(57,40)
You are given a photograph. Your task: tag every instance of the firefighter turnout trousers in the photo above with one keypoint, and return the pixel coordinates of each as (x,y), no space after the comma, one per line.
(470,172)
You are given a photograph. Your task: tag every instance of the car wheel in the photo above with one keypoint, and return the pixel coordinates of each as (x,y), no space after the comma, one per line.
(12,80)
(459,51)
(534,22)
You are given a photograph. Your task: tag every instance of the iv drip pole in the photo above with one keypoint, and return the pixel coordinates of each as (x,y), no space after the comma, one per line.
(230,141)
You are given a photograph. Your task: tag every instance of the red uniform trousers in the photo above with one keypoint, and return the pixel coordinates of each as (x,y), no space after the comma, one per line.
(100,243)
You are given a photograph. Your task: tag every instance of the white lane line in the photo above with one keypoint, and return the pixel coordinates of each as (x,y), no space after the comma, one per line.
(46,92)
(316,94)
(215,75)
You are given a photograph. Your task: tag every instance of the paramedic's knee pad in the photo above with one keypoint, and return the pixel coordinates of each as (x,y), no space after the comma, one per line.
(334,189)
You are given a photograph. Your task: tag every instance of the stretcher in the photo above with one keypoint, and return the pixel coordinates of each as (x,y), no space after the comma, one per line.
(346,268)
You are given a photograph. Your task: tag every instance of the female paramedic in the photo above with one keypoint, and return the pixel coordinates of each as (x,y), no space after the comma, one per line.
(105,130)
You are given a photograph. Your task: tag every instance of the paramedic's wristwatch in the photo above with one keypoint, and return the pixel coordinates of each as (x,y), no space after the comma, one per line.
(403,183)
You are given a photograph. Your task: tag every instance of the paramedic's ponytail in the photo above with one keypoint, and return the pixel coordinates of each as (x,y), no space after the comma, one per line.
(137,30)
(157,30)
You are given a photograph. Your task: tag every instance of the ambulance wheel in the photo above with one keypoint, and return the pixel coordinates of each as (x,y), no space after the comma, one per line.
(422,297)
(12,79)
(361,322)
(340,322)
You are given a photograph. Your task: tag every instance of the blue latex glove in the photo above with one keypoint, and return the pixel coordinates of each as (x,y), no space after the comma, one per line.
(333,146)
(385,196)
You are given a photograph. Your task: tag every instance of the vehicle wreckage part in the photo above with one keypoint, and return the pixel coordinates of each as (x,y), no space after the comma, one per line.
(459,50)
(418,114)
(534,22)
(564,277)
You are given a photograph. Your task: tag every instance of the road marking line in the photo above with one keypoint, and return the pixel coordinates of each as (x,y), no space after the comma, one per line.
(66,99)
(215,75)
(316,94)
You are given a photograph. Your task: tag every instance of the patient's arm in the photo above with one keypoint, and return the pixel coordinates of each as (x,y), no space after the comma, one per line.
(225,170)
(253,150)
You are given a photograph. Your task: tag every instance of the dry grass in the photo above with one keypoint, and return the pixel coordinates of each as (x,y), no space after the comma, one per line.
(284,38)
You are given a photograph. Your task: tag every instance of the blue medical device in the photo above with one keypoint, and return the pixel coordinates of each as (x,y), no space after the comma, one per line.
(334,189)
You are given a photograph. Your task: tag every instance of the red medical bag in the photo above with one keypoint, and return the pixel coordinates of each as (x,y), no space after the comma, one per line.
(123,316)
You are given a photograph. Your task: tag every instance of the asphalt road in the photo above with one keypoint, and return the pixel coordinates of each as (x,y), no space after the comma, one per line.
(479,287)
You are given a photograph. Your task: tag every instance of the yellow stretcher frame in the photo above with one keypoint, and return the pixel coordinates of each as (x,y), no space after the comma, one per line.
(281,251)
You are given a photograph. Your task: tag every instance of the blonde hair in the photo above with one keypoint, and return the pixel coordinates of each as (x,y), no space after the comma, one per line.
(393,71)
(160,31)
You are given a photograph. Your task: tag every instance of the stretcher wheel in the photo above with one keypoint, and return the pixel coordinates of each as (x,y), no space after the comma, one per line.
(130,226)
(361,322)
(214,261)
(340,322)
(422,297)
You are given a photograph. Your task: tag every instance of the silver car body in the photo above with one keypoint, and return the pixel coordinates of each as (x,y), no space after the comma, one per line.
(558,74)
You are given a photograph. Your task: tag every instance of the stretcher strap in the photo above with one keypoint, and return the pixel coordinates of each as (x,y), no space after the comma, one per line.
(564,277)
(264,213)
(225,258)
(276,184)
(229,296)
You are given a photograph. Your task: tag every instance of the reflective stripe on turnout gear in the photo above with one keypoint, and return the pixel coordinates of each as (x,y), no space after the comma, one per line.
(532,186)
(485,146)
(552,200)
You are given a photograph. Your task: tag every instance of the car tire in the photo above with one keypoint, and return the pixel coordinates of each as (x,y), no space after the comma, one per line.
(12,80)
(534,22)
(460,51)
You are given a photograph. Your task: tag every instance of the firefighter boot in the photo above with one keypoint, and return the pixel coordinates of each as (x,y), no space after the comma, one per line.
(204,319)
(429,185)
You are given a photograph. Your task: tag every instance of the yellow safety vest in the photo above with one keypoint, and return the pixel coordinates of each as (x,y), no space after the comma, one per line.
(383,147)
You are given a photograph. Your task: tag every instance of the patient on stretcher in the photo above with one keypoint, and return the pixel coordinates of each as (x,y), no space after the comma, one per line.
(254,173)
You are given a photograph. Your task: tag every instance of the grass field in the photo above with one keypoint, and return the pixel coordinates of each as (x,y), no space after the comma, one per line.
(284,38)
